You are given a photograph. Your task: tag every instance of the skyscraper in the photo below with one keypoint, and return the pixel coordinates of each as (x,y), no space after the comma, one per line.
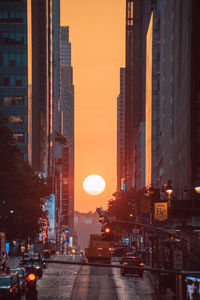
(121,132)
(134,96)
(15,72)
(43,103)
(67,108)
(152,100)
(179,95)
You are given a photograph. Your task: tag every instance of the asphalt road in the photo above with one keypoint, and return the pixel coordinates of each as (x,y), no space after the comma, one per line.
(57,280)
(94,283)
(73,282)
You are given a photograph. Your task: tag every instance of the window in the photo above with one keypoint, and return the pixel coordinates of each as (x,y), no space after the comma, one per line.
(12,63)
(12,38)
(12,101)
(15,119)
(1,58)
(18,82)
(6,81)
(12,0)
(18,138)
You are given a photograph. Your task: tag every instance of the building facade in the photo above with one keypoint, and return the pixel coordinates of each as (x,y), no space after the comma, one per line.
(67,117)
(43,100)
(15,72)
(134,98)
(121,132)
(179,95)
(152,101)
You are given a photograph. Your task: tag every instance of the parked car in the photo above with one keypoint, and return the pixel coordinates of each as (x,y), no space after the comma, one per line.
(16,279)
(47,253)
(35,256)
(22,277)
(132,261)
(32,266)
(8,288)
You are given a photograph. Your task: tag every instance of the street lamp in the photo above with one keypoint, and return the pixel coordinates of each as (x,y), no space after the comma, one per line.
(169,190)
(197,185)
(197,189)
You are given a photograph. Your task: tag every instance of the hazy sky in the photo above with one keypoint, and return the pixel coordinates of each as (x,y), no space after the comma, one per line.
(97,35)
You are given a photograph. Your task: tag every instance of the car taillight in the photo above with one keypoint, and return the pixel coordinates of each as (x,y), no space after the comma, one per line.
(31,277)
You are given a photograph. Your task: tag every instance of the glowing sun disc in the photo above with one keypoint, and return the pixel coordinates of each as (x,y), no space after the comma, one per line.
(94,185)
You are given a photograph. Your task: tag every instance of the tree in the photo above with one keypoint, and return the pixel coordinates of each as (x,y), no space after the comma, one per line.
(22,193)
(126,204)
(125,207)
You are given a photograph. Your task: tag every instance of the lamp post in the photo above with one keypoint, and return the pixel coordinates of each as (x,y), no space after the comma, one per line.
(169,190)
(197,185)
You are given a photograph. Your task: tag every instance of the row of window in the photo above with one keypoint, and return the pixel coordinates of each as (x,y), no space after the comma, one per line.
(15,119)
(13,101)
(18,138)
(13,0)
(12,16)
(13,59)
(13,38)
(13,81)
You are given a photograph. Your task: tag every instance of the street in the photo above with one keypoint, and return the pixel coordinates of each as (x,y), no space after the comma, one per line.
(88,282)
(57,281)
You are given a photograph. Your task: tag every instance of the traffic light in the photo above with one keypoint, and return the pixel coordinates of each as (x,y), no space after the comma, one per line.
(107,234)
(63,231)
(107,230)
(100,219)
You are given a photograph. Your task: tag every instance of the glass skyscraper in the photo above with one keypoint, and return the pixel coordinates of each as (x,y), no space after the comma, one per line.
(15,78)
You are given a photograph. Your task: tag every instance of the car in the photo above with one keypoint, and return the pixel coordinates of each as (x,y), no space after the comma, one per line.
(32,266)
(8,288)
(16,279)
(36,256)
(22,277)
(132,261)
(47,253)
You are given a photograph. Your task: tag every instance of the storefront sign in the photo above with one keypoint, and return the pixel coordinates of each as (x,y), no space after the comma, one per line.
(161,211)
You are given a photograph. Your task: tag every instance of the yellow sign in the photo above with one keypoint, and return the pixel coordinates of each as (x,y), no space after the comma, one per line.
(161,211)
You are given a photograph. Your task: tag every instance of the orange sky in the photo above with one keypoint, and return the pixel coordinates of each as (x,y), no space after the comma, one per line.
(97,35)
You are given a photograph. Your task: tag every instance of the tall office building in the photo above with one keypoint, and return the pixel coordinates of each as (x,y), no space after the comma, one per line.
(56,63)
(67,109)
(179,95)
(152,153)
(134,98)
(15,72)
(121,132)
(138,13)
(43,100)
(30,81)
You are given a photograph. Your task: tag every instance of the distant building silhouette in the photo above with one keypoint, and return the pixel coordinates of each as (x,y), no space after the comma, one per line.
(86,224)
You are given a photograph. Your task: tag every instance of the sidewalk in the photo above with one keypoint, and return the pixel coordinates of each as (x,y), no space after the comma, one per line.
(168,295)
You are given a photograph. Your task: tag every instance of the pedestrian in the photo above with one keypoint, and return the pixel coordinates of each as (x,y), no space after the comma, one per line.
(192,289)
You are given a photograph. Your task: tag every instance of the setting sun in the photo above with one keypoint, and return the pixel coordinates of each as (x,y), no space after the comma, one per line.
(94,185)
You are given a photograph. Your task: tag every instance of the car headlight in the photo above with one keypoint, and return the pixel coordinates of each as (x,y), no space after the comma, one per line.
(37,267)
